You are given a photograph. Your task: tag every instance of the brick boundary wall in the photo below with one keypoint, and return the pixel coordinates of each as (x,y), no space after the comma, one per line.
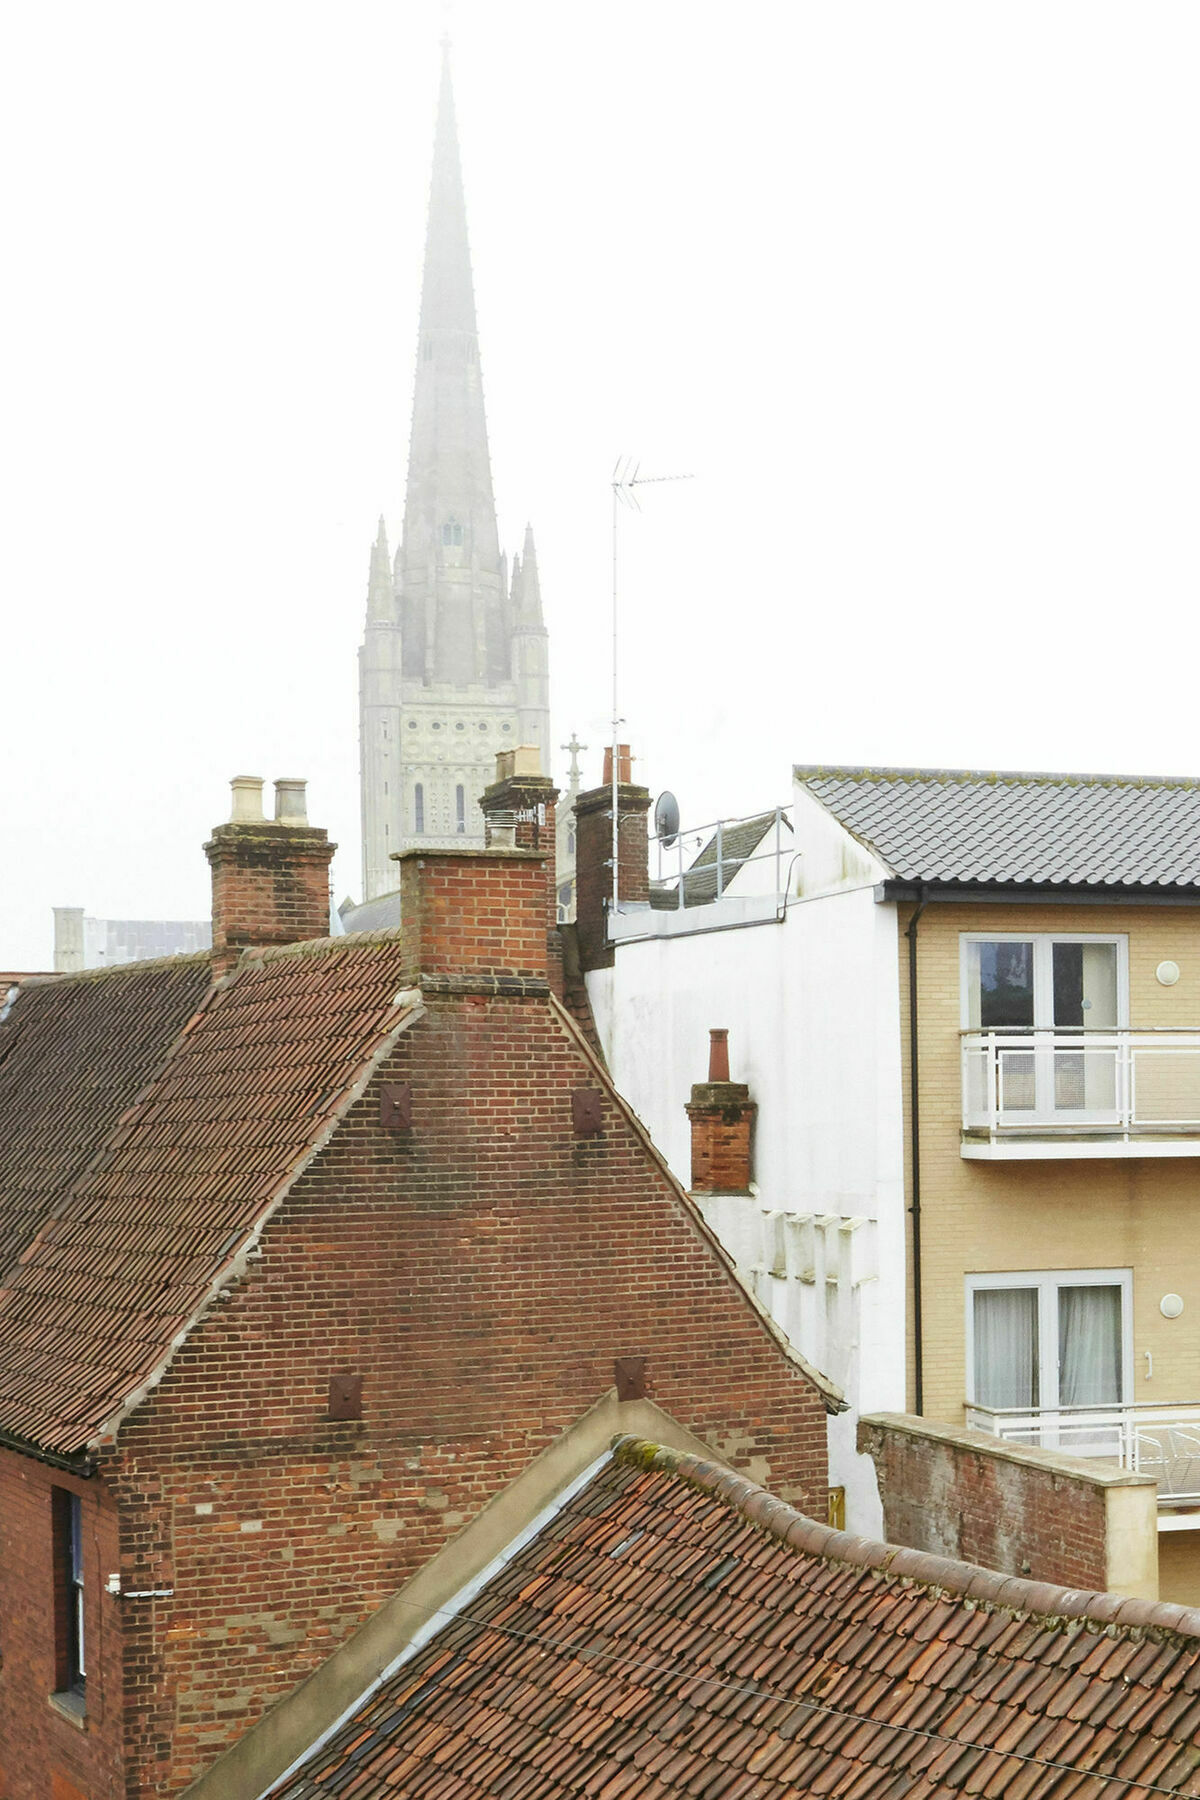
(1032,1513)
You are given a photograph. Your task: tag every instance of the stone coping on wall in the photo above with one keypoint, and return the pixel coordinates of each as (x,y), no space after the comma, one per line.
(965,1437)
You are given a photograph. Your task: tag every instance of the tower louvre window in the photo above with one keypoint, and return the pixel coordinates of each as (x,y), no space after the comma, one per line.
(452,532)
(419,807)
(460,809)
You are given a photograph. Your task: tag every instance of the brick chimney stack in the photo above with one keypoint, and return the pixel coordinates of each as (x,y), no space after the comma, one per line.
(270,877)
(518,814)
(593,856)
(722,1116)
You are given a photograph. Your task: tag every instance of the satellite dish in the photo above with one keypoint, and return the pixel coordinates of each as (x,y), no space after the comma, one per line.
(666,819)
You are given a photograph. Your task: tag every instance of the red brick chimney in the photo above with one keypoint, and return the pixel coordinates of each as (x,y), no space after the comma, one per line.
(722,1115)
(488,913)
(593,856)
(518,814)
(270,877)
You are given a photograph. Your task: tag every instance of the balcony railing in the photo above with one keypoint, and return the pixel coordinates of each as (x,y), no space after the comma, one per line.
(1026,1082)
(1163,1441)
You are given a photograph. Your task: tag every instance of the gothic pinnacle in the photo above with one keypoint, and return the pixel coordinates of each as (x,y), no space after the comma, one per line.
(380,606)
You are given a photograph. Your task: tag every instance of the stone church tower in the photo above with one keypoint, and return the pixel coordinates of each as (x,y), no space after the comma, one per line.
(454,664)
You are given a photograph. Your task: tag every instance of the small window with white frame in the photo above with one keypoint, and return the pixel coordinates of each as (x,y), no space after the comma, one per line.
(1050,1356)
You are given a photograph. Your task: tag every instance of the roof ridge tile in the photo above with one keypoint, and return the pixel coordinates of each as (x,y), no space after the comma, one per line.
(987,1588)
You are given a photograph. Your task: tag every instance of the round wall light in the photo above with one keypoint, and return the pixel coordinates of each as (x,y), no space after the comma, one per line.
(1167,973)
(1170,1306)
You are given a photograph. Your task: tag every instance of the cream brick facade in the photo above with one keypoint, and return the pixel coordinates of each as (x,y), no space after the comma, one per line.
(1138,1213)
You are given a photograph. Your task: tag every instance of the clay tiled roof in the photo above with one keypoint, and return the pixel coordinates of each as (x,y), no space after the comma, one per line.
(964,825)
(673,1630)
(74,1051)
(165,1212)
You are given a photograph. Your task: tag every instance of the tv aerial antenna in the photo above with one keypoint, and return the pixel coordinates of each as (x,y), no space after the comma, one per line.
(627,477)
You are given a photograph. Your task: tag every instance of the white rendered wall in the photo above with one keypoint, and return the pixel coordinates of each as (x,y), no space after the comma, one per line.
(812,1009)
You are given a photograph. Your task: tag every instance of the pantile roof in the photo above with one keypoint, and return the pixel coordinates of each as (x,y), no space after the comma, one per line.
(74,1051)
(674,1630)
(190,1162)
(968,826)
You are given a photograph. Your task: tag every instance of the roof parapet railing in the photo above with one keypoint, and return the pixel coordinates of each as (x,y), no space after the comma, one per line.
(694,840)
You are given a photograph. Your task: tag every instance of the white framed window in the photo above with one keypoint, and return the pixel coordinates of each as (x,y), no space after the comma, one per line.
(1040,1014)
(1039,1341)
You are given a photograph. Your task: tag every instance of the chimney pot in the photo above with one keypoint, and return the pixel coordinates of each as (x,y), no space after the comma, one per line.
(624,765)
(246,799)
(290,805)
(718,1054)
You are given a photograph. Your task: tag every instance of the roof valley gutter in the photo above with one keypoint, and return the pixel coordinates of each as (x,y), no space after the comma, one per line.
(914,1109)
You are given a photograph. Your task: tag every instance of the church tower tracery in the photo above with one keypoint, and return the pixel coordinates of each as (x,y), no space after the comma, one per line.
(454,664)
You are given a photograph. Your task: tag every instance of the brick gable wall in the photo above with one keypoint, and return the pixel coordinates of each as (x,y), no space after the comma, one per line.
(481,1273)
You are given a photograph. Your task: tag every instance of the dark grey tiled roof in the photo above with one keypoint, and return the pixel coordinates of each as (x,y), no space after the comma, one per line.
(739,841)
(380,914)
(965,825)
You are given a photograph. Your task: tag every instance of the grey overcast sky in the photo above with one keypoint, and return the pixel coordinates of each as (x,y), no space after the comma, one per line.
(911,287)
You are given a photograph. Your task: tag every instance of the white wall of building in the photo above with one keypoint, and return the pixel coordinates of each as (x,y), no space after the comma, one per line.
(812,1008)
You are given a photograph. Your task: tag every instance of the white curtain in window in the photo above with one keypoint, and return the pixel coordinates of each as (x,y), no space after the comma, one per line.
(1006,1347)
(1089,1346)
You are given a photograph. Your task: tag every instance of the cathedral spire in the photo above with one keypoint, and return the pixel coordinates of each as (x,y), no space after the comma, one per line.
(450,557)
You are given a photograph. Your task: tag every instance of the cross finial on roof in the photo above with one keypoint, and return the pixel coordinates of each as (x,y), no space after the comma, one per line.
(573,773)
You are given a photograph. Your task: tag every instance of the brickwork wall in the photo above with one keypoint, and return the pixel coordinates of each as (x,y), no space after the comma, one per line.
(593,863)
(526,797)
(270,885)
(977,1217)
(481,1273)
(1041,1523)
(44,1756)
(475,911)
(722,1120)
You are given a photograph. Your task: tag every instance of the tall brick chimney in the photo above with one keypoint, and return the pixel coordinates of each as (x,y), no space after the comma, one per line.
(468,915)
(518,814)
(270,877)
(593,856)
(722,1116)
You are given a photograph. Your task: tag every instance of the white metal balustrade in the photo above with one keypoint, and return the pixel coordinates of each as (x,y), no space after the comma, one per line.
(1163,1441)
(1024,1081)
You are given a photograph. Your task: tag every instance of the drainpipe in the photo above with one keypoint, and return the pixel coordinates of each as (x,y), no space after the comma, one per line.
(914,1112)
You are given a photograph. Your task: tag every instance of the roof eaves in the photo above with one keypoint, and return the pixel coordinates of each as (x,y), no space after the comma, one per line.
(236,1265)
(831,1395)
(920,1568)
(1113,893)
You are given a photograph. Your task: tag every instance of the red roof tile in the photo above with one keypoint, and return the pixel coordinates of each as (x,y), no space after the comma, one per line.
(74,1053)
(567,1674)
(123,1262)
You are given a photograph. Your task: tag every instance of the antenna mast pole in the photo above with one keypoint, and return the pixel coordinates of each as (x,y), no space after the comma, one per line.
(626,477)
